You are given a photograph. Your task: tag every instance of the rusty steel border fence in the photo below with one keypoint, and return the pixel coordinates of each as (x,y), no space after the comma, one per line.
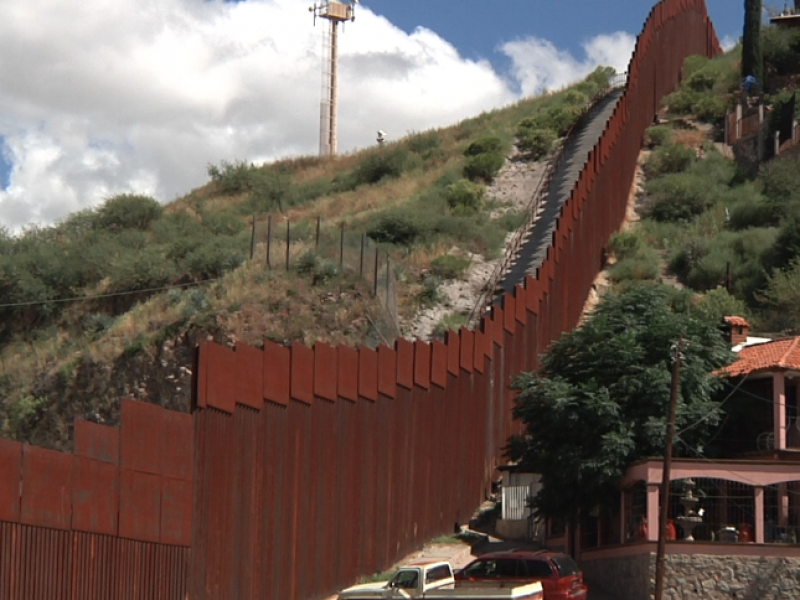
(301,469)
(490,289)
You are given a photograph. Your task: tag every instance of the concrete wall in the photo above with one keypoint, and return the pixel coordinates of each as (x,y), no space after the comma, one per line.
(697,576)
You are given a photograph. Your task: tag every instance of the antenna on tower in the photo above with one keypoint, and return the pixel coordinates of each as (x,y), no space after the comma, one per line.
(334,13)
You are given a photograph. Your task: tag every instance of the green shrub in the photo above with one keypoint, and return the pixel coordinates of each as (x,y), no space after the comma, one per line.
(781,49)
(748,208)
(474,233)
(511,220)
(718,303)
(681,102)
(223,223)
(485,145)
(465,197)
(558,118)
(24,412)
(483,167)
(383,163)
(781,298)
(398,226)
(424,142)
(711,270)
(449,267)
(214,257)
(299,195)
(601,77)
(430,293)
(702,80)
(453,321)
(537,142)
(575,98)
(678,197)
(644,266)
(692,65)
(714,168)
(145,269)
(625,244)
(781,184)
(233,178)
(326,271)
(270,190)
(97,323)
(197,303)
(307,262)
(128,211)
(787,245)
(657,135)
(669,158)
(710,109)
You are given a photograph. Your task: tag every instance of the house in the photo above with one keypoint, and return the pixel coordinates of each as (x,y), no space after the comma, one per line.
(790,17)
(734,527)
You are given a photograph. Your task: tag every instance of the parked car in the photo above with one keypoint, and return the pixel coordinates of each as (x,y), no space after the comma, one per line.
(560,576)
(433,580)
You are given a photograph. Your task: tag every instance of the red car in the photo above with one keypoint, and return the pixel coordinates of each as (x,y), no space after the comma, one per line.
(560,576)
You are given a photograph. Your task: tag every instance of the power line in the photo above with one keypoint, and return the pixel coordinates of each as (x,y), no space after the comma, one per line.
(110,295)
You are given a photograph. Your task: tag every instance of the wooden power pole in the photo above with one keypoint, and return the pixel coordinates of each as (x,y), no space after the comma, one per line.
(665,475)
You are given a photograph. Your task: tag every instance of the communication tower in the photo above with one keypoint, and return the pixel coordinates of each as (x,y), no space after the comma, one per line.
(333,13)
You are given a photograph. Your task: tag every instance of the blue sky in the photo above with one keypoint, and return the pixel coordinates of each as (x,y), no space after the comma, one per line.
(171,86)
(478,27)
(5,165)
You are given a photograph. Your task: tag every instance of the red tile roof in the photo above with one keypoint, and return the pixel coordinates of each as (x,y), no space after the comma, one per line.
(780,354)
(734,320)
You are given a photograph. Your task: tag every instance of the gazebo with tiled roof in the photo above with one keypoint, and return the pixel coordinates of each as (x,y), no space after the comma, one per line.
(775,359)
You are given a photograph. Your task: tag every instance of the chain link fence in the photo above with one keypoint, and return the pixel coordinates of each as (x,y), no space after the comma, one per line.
(291,245)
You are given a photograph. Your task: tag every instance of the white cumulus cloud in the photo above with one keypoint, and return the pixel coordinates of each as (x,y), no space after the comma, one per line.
(100,97)
(539,65)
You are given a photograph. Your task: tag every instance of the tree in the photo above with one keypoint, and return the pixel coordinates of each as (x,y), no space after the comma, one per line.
(752,53)
(128,211)
(600,399)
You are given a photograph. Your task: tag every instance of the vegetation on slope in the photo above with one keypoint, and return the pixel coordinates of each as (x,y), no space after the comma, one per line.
(110,301)
(724,234)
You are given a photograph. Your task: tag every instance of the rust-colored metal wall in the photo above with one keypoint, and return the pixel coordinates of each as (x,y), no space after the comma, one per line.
(112,520)
(352,458)
(302,469)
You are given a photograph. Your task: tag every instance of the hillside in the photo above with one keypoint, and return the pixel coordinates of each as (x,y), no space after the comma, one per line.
(110,302)
(723,231)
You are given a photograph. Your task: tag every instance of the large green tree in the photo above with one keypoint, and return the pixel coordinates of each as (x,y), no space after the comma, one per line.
(752,53)
(600,399)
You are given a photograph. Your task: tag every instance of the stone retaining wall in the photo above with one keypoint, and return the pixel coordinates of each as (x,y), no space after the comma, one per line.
(698,577)
(626,577)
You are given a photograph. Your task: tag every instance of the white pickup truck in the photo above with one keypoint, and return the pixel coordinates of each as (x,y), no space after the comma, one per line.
(433,580)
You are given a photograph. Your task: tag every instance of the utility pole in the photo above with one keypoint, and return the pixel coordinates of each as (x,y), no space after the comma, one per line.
(665,474)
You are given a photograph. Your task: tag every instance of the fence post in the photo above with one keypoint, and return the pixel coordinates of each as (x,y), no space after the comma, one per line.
(738,121)
(777,143)
(361,257)
(341,248)
(253,238)
(316,241)
(388,274)
(375,280)
(269,240)
(288,241)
